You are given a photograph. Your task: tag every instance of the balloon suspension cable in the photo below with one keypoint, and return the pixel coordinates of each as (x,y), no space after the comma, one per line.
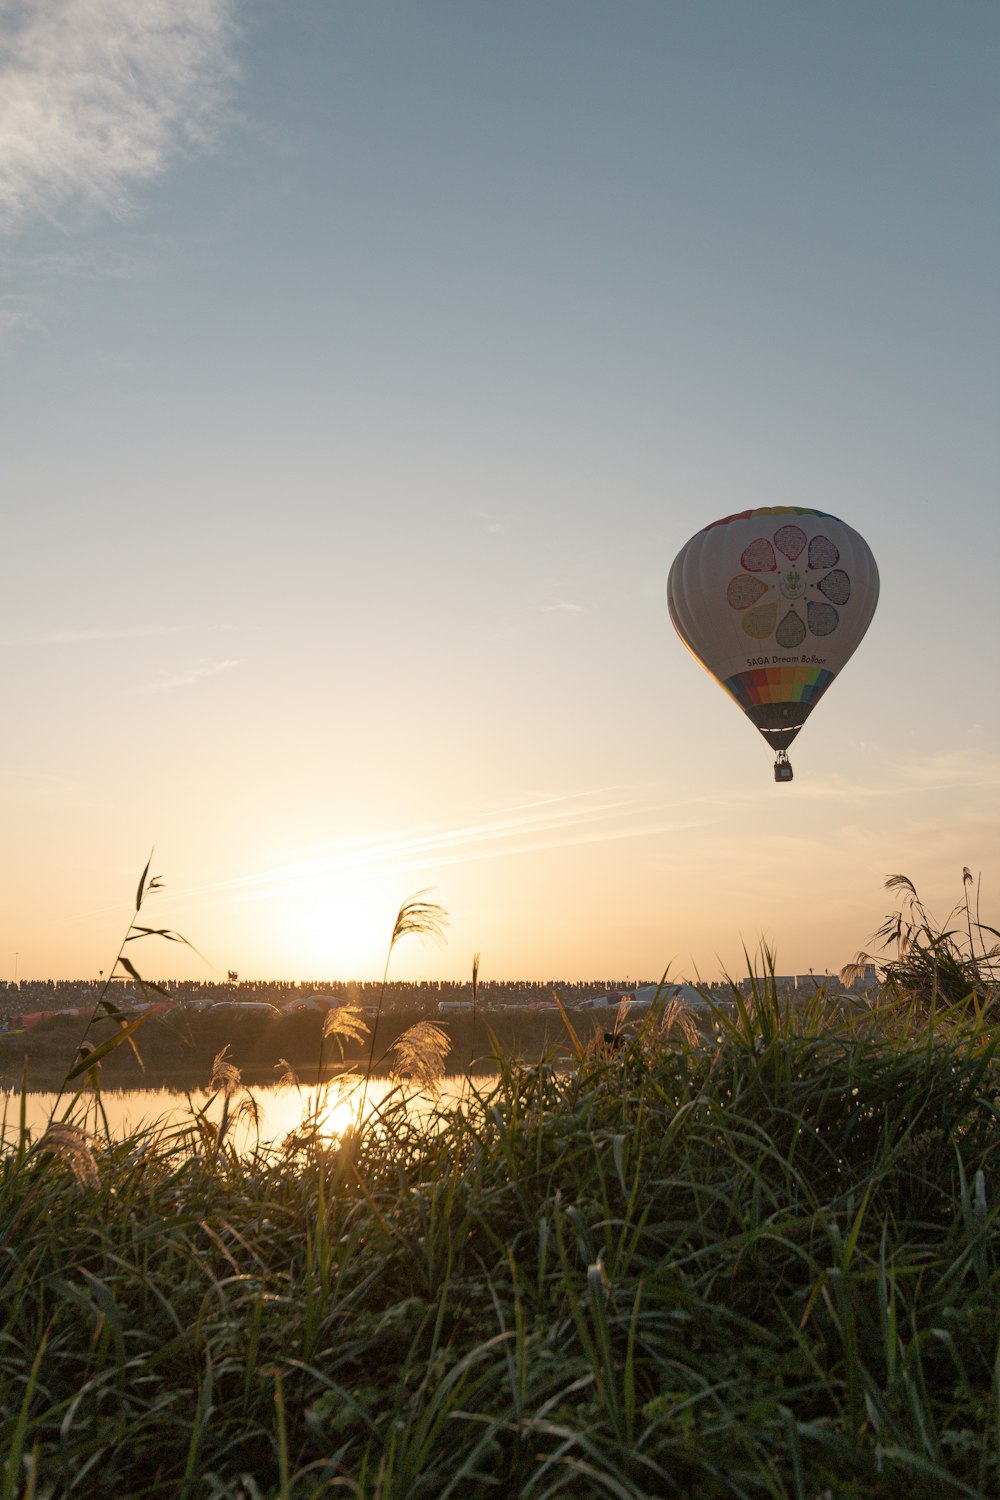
(782,767)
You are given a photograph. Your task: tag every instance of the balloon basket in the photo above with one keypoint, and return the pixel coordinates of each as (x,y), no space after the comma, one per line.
(782,767)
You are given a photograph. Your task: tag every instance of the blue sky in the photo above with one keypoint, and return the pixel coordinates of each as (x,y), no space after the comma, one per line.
(363,369)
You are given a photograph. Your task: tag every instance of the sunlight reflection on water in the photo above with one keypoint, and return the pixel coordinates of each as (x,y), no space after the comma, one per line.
(282,1108)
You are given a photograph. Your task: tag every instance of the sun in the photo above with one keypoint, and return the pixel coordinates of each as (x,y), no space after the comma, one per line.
(336,932)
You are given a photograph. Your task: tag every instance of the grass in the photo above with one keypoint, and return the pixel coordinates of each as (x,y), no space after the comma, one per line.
(762,1264)
(769,1267)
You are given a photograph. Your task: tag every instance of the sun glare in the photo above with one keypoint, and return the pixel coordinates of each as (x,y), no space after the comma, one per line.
(328,1108)
(337,1110)
(336,934)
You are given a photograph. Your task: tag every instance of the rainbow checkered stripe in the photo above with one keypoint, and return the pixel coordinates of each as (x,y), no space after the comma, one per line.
(791,684)
(767,510)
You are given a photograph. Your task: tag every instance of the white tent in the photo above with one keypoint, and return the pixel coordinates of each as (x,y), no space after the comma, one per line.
(316,1002)
(686,994)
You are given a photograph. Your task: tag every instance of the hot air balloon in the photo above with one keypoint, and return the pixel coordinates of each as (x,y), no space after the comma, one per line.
(773,603)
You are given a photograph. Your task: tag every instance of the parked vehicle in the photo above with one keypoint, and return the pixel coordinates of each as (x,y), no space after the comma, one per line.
(245,1007)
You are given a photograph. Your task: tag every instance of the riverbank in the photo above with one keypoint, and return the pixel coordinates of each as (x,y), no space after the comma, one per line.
(770,1267)
(177,1049)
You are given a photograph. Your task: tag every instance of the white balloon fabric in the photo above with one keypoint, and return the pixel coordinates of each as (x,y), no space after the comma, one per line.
(772,603)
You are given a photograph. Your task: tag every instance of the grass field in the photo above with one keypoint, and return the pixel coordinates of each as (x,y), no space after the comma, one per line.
(765,1266)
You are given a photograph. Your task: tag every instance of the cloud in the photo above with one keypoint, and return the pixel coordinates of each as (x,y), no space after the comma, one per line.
(559,822)
(17,312)
(98,95)
(46,788)
(491,524)
(85,261)
(963,766)
(84,635)
(74,635)
(197,672)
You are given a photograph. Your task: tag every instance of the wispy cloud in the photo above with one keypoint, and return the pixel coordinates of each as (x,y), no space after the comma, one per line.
(551,823)
(526,619)
(83,635)
(491,524)
(502,830)
(99,95)
(17,312)
(904,774)
(199,671)
(75,635)
(965,766)
(548,822)
(85,260)
(47,789)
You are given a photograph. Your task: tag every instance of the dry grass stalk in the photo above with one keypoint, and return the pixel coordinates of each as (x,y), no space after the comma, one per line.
(225,1075)
(419,1055)
(424,918)
(475,998)
(678,1023)
(289,1077)
(348,1082)
(73,1146)
(346,1023)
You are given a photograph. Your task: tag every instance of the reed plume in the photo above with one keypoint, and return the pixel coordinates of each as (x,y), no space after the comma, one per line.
(419,1055)
(475,996)
(422,918)
(72,1145)
(346,1023)
(225,1075)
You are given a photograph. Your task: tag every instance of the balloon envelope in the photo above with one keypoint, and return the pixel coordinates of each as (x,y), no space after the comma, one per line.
(773,603)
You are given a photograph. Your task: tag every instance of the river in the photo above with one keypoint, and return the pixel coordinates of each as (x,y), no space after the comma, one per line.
(280,1108)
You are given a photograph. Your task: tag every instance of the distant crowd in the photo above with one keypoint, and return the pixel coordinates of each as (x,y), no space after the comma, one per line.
(19,999)
(29,995)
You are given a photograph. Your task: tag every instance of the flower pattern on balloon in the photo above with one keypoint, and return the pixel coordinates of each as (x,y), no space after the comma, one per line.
(779,592)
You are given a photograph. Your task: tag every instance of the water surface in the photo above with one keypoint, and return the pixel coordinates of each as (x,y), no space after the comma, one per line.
(281,1108)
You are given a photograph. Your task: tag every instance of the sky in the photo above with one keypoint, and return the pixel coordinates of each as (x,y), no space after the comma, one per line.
(363,367)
